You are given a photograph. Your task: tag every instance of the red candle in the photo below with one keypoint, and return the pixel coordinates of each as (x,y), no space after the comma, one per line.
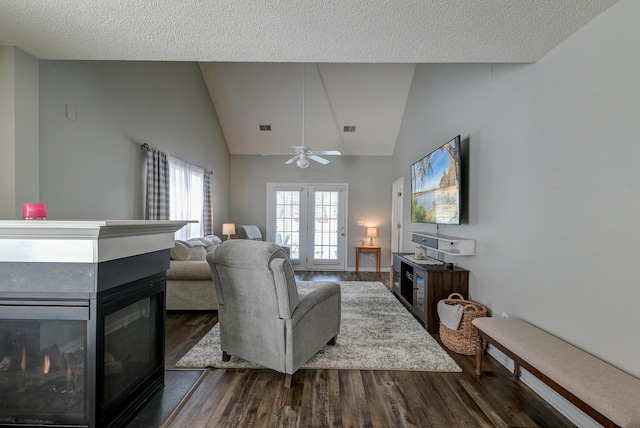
(34,211)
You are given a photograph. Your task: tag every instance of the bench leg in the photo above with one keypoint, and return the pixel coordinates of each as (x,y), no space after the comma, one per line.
(479,352)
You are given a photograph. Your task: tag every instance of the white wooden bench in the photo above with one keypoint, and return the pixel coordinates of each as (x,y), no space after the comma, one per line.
(605,393)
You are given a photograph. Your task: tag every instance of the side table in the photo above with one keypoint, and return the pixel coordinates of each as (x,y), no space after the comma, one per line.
(368,250)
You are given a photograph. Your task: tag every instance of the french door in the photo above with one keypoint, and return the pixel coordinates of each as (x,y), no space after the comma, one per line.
(310,219)
(396,216)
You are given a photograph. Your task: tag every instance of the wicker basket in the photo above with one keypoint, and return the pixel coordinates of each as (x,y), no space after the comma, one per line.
(462,340)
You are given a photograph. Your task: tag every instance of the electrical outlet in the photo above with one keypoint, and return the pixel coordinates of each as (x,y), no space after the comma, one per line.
(504,315)
(359,223)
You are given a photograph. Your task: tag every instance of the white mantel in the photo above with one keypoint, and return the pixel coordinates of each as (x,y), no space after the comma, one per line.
(90,241)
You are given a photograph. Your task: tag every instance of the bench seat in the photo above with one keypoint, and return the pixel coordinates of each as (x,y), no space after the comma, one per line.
(607,394)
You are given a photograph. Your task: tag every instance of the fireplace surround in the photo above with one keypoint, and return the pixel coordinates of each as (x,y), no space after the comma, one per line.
(81,335)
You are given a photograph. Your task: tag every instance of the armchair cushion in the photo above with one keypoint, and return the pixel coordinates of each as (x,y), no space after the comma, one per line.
(189,270)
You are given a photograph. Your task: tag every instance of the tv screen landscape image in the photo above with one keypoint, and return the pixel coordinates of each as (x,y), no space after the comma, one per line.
(435,186)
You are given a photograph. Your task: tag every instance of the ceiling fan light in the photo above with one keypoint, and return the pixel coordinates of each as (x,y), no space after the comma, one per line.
(303,162)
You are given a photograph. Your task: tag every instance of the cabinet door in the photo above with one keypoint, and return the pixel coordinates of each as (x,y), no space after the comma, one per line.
(419,286)
(396,275)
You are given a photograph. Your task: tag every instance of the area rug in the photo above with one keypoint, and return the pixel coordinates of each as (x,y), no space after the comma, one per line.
(376,333)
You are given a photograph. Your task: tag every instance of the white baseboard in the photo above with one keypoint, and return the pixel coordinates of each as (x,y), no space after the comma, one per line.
(557,401)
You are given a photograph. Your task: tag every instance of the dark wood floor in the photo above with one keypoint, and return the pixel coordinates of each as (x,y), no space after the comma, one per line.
(351,398)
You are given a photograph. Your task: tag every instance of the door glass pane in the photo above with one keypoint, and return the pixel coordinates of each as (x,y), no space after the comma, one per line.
(288,221)
(419,278)
(326,225)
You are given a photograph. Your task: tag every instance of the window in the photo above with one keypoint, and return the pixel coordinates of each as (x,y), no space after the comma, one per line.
(186,202)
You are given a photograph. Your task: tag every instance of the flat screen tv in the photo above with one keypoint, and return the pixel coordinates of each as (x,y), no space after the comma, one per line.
(435,186)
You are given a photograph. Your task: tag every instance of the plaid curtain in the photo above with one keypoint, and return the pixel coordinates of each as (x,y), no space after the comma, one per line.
(207,212)
(157,185)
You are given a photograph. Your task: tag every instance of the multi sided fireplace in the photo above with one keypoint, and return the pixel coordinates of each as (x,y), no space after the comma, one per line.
(59,365)
(81,344)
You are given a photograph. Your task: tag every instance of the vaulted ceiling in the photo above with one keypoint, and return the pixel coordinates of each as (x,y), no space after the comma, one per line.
(360,55)
(369,97)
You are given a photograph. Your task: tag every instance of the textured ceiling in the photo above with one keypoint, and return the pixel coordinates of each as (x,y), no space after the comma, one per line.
(366,51)
(349,31)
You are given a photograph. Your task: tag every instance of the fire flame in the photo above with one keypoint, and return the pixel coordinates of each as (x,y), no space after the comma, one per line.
(23,362)
(46,365)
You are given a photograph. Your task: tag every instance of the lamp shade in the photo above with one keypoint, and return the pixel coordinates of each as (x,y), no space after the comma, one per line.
(372,232)
(229,229)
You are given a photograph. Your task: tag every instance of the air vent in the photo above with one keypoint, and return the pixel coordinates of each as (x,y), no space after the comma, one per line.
(265,127)
(350,128)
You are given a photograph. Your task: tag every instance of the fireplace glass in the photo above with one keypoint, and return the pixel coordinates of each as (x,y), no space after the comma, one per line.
(43,368)
(130,348)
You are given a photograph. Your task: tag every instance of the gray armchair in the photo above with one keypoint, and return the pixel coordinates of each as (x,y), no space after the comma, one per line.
(262,317)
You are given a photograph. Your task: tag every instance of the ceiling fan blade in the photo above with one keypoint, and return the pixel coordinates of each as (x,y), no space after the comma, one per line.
(318,159)
(327,152)
(292,160)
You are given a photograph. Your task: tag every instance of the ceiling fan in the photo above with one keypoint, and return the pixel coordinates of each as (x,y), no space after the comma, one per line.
(302,154)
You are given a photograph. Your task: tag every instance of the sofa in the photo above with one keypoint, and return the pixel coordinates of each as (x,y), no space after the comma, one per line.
(189,282)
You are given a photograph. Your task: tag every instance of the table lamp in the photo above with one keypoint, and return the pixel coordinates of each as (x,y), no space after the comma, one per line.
(228,229)
(372,232)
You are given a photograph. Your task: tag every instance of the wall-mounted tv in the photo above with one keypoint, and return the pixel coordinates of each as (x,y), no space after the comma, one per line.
(435,186)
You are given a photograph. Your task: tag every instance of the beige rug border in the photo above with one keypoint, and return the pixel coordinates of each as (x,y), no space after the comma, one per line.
(427,355)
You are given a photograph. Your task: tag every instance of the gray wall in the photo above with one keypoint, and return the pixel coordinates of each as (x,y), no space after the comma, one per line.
(552,181)
(92,168)
(19,165)
(26,130)
(368,177)
(7,133)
